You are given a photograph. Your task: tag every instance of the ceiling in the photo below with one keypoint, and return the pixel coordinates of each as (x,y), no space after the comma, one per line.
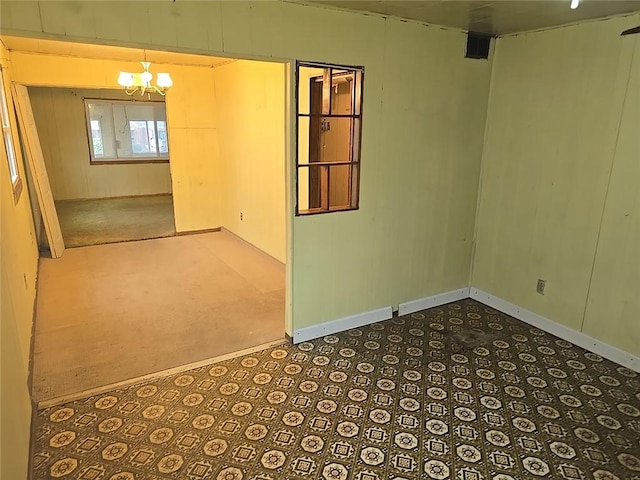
(495,17)
(33,45)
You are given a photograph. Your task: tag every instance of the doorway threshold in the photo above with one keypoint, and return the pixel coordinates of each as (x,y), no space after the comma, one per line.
(155,376)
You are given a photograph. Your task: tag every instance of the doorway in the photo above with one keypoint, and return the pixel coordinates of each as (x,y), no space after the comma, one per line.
(110,181)
(99,304)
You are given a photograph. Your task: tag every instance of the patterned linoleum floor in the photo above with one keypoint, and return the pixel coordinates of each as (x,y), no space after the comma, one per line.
(457,392)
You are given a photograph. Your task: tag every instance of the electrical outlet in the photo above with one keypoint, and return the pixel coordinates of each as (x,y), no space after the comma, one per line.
(540,286)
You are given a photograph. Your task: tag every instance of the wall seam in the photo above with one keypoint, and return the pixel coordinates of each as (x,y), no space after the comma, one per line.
(606,195)
(487,124)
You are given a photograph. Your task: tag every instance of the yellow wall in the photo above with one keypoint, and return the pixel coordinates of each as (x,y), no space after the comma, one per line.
(193,134)
(19,262)
(60,119)
(563,116)
(249,102)
(192,126)
(424,111)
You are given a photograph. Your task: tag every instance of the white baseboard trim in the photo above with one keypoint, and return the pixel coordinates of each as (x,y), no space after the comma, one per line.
(574,336)
(433,301)
(341,324)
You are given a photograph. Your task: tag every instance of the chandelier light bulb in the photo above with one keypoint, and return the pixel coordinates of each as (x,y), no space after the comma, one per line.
(146,77)
(125,79)
(141,82)
(164,80)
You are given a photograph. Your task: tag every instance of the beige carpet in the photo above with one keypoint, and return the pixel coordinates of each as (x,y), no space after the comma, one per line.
(109,313)
(110,220)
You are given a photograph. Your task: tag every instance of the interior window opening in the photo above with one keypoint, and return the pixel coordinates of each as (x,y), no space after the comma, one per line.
(329,114)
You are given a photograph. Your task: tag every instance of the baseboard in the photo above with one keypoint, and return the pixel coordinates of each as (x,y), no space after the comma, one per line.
(182,233)
(582,340)
(248,243)
(433,301)
(341,324)
(162,194)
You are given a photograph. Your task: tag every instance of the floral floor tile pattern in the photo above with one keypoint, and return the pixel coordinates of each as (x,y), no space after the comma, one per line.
(459,392)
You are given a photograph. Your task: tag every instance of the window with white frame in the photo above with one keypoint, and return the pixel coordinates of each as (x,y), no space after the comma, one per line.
(121,131)
(7,135)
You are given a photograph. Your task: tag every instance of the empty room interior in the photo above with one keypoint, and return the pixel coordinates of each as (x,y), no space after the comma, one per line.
(322,239)
(174,206)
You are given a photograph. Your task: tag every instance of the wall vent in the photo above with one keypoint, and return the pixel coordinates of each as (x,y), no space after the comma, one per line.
(478,45)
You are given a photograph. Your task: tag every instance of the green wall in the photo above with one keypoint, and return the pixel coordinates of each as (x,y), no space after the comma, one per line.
(560,172)
(613,305)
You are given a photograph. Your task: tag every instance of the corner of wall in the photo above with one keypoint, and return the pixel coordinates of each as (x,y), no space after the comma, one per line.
(578,338)
(493,55)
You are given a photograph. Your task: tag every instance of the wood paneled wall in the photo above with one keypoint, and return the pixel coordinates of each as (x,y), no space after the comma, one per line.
(560,195)
(19,268)
(251,127)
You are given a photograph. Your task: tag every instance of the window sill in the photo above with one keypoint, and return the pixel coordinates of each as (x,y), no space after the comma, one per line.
(319,211)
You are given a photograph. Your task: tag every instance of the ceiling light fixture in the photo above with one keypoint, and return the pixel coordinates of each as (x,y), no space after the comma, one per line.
(574,4)
(141,82)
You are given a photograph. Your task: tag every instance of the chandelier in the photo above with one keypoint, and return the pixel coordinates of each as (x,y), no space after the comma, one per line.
(141,82)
